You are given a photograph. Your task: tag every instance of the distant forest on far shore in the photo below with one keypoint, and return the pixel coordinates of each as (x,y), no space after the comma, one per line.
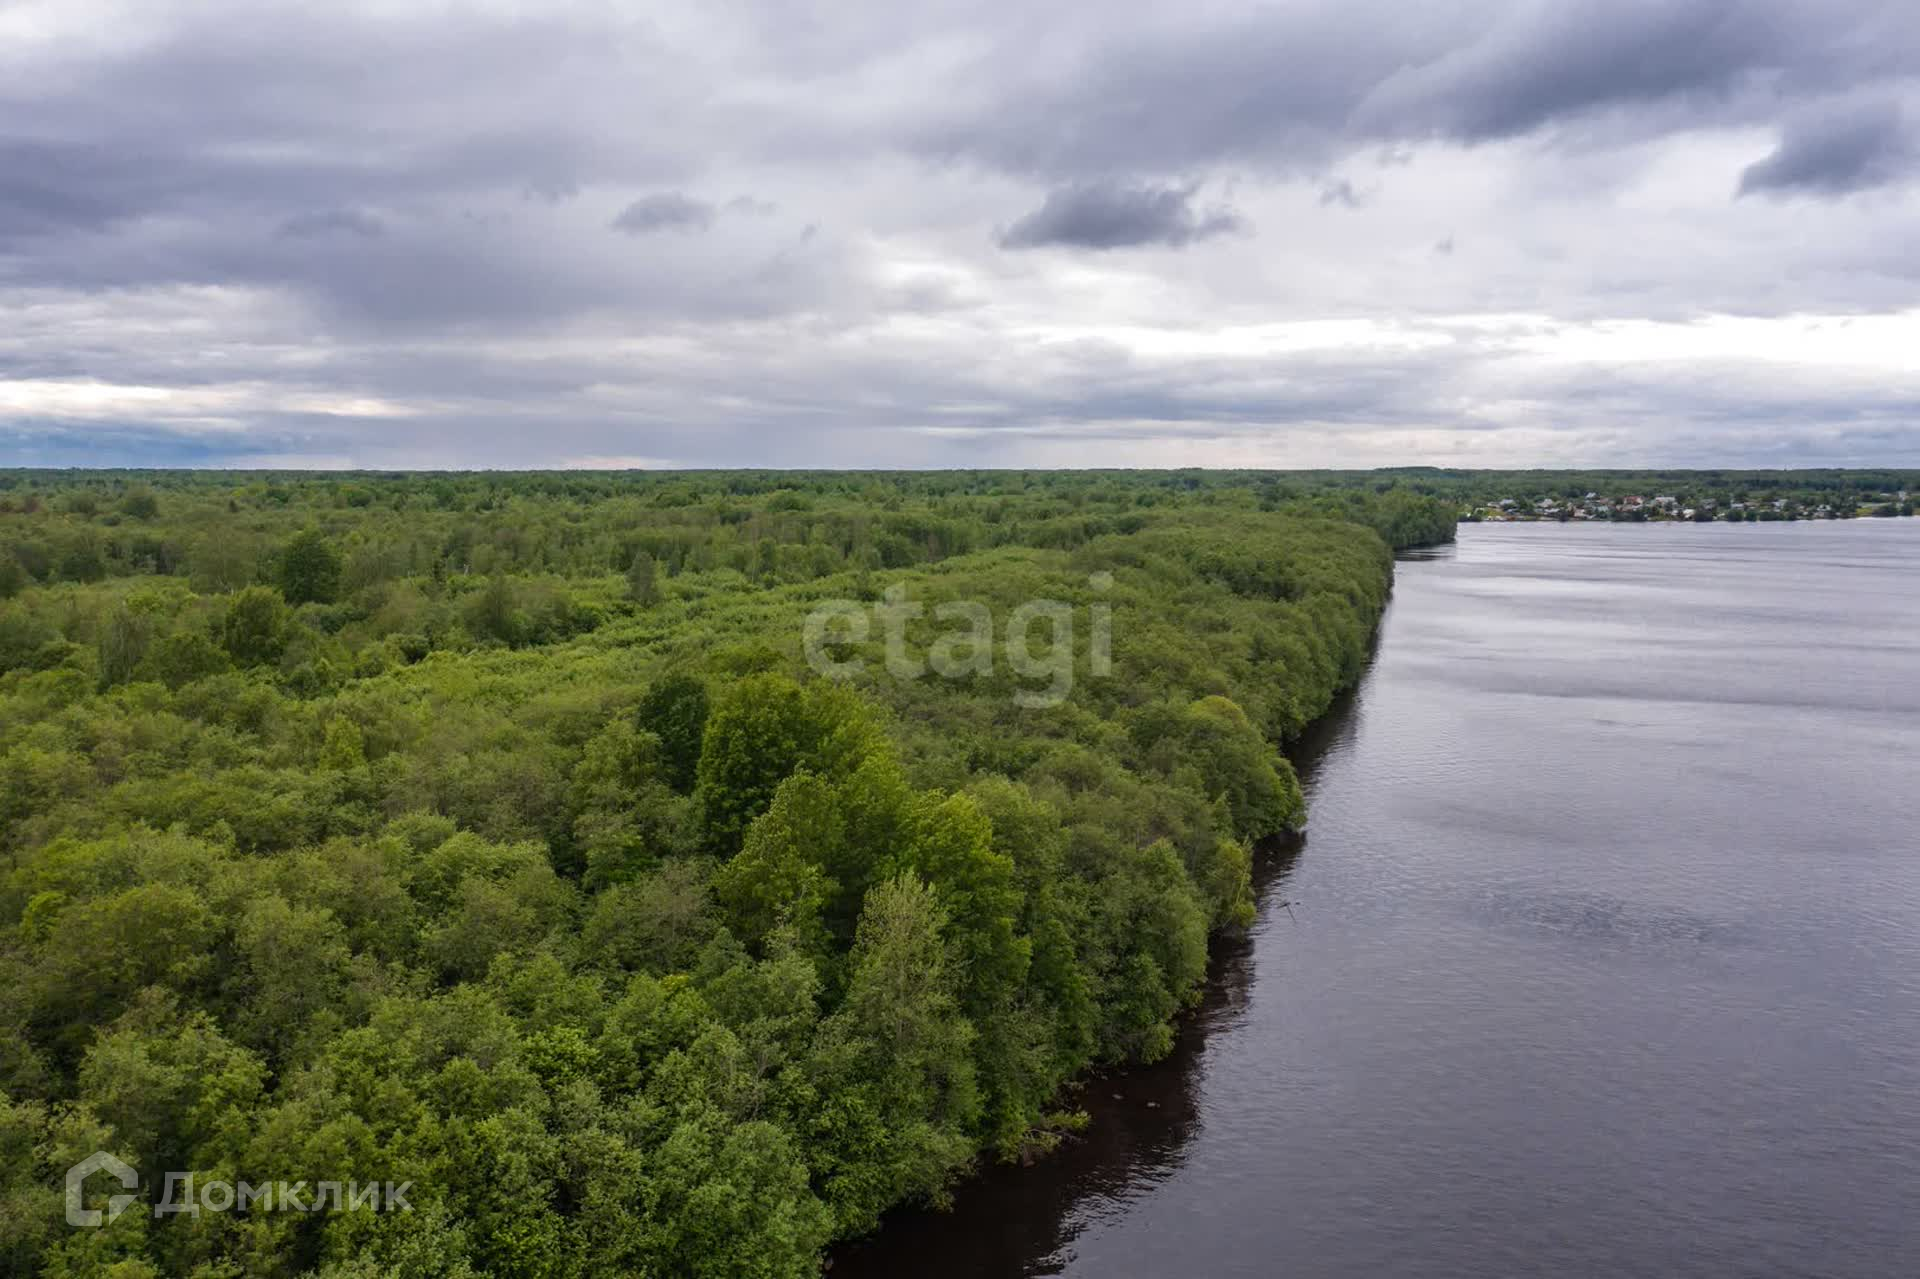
(1652,495)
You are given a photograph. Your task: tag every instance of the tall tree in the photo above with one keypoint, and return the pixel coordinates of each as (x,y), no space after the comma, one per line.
(893,1066)
(254,631)
(643,580)
(309,569)
(674,709)
(760,730)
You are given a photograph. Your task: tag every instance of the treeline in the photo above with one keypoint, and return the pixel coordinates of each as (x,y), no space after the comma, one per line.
(1760,494)
(555,881)
(224,530)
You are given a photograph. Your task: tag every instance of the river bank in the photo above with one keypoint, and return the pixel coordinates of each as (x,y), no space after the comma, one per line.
(1601,961)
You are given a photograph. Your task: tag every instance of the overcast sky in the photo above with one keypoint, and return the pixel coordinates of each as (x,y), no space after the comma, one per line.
(960,233)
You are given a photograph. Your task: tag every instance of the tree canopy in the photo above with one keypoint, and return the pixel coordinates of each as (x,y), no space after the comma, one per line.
(495,834)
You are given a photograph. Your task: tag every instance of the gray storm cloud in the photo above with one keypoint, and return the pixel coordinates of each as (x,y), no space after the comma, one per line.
(666,211)
(1105,215)
(456,233)
(1839,150)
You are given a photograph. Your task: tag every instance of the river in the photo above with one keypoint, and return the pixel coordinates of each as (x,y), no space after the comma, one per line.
(1603,952)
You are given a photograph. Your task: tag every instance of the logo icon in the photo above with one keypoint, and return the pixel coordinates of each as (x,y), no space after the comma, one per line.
(77,1215)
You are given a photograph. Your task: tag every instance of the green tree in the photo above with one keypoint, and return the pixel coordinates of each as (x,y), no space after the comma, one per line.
(1155,929)
(123,644)
(183,657)
(30,1200)
(643,580)
(140,503)
(83,561)
(624,817)
(893,1066)
(223,561)
(495,613)
(309,569)
(760,730)
(254,631)
(674,709)
(952,846)
(724,1199)
(776,880)
(655,924)
(1236,762)
(174,1089)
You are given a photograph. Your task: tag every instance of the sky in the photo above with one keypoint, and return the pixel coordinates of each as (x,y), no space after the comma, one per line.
(960,233)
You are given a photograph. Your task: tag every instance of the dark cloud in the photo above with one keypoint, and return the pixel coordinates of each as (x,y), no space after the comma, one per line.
(1838,150)
(307,226)
(51,188)
(1538,64)
(665,211)
(1288,88)
(1108,215)
(222,114)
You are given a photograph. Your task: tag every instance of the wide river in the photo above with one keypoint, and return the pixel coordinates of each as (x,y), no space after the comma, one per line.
(1603,956)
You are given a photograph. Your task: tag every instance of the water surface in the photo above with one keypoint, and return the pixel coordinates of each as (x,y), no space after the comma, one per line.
(1604,953)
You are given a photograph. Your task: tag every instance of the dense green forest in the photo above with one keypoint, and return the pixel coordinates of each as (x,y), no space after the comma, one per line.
(497,834)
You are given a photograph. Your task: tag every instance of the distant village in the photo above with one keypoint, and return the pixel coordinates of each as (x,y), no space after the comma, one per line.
(1635,507)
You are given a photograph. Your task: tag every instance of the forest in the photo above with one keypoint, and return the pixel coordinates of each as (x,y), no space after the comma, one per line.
(494,836)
